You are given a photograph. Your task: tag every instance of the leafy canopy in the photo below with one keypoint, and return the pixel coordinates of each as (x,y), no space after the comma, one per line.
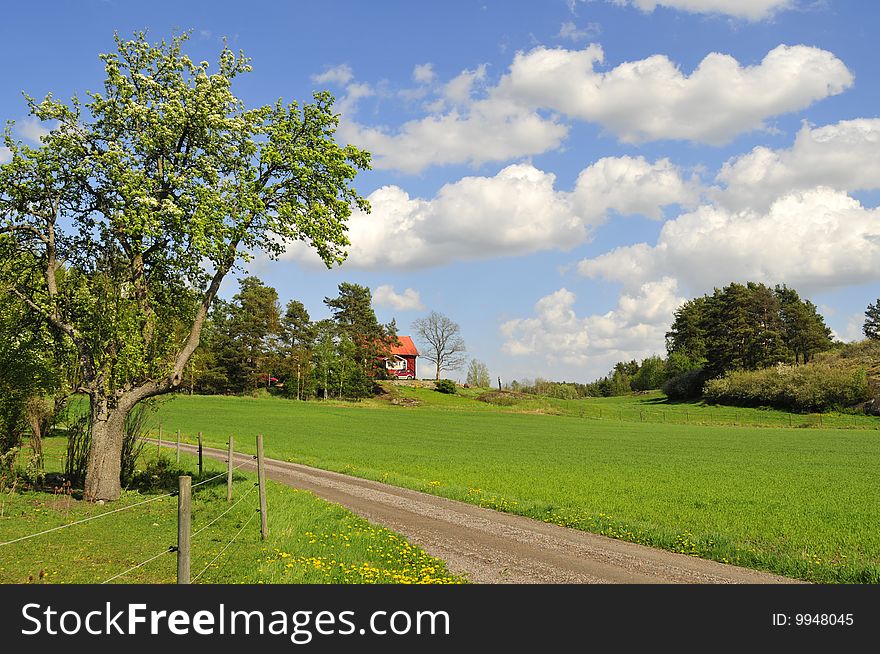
(141,200)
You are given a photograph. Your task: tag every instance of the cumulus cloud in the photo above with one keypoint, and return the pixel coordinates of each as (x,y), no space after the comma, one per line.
(525,112)
(458,90)
(814,240)
(423,73)
(844,156)
(485,131)
(5,154)
(409,300)
(634,329)
(517,211)
(752,10)
(652,99)
(632,185)
(340,75)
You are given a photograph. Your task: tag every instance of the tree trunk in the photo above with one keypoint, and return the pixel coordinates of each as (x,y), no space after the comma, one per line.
(105,451)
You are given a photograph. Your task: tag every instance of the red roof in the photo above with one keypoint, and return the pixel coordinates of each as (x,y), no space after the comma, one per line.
(406,347)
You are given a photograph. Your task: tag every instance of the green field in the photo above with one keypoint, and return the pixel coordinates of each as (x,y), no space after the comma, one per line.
(310,540)
(799,502)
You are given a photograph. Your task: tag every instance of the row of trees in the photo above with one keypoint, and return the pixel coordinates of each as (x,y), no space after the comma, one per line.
(747,327)
(249,342)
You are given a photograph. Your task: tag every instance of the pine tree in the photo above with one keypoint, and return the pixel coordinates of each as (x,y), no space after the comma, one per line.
(872,321)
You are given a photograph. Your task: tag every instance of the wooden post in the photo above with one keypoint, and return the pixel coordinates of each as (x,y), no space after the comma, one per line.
(159,442)
(184,527)
(229,471)
(261,478)
(178,446)
(200,454)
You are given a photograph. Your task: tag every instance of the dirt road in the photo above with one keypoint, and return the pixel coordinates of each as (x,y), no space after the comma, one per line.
(493,547)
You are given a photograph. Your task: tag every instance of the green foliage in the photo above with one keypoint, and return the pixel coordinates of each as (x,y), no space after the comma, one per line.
(125,220)
(355,318)
(686,386)
(651,374)
(445,386)
(79,441)
(747,327)
(871,328)
(478,374)
(817,386)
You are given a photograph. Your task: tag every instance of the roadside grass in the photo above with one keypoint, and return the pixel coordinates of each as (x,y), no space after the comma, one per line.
(310,540)
(798,502)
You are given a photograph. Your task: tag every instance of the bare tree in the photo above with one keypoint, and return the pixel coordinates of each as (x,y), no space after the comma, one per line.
(442,341)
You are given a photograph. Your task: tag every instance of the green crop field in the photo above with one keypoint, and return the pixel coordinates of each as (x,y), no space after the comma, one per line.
(797,501)
(310,540)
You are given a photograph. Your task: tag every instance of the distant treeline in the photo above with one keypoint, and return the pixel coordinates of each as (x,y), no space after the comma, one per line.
(745,344)
(250,343)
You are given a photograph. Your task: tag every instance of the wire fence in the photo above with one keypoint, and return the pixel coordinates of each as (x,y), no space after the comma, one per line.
(230,469)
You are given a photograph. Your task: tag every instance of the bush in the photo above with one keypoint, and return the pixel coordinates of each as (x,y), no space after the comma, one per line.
(445,386)
(502,398)
(686,386)
(817,386)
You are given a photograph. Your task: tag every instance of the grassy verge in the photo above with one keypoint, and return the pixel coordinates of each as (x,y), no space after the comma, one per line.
(310,540)
(799,502)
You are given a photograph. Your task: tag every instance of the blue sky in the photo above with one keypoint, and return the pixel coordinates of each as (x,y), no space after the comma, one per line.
(554,176)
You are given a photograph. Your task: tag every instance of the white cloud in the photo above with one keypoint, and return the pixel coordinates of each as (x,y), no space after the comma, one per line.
(852,331)
(423,73)
(652,99)
(409,300)
(634,329)
(5,154)
(486,131)
(517,211)
(340,75)
(753,10)
(844,156)
(568,30)
(32,129)
(632,185)
(813,240)
(458,90)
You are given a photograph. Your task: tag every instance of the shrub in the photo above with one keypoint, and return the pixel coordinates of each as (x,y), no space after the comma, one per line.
(502,398)
(817,386)
(445,386)
(686,386)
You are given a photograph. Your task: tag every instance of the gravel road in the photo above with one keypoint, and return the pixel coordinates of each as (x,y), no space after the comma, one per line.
(490,547)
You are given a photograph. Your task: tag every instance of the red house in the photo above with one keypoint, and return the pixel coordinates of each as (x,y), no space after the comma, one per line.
(402,362)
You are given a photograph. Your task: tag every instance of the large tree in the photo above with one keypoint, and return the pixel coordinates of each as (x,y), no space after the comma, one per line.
(355,318)
(139,202)
(441,341)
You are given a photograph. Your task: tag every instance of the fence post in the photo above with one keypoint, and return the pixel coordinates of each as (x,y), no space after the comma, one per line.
(184,527)
(178,446)
(159,442)
(200,454)
(229,471)
(261,478)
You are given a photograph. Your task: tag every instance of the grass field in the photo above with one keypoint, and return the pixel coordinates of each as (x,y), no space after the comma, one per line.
(310,540)
(799,502)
